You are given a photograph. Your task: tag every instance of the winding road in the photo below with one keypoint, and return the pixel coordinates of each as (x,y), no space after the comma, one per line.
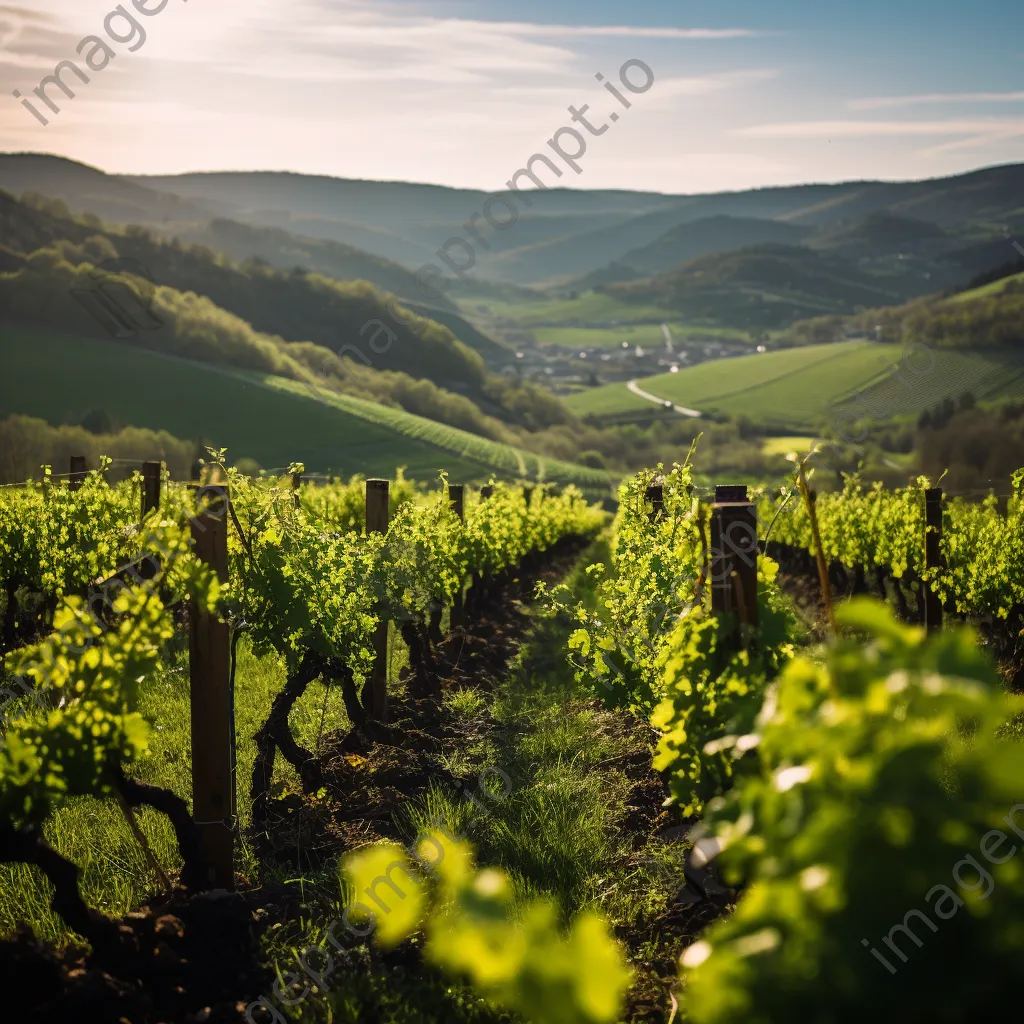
(640,393)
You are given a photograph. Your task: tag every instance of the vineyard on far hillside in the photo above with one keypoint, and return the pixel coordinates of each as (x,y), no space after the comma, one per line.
(831,800)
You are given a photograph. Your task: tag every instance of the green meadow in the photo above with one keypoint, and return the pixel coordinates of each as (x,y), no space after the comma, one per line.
(789,388)
(648,336)
(794,389)
(593,308)
(60,377)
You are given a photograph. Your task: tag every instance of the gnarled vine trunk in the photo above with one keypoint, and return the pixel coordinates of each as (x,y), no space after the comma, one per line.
(29,847)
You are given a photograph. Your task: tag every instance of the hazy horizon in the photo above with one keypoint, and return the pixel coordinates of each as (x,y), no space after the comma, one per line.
(554,188)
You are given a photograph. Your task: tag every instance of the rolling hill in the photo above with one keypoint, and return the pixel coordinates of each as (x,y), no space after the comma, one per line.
(60,288)
(802,388)
(296,306)
(881,256)
(987,316)
(991,195)
(762,287)
(285,251)
(881,233)
(263,416)
(688,241)
(87,189)
(564,234)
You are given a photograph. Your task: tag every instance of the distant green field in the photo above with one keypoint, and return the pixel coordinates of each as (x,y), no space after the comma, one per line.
(795,389)
(787,388)
(649,336)
(59,377)
(607,401)
(589,308)
(785,445)
(791,386)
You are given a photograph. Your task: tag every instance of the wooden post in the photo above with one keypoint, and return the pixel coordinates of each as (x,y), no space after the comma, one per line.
(296,484)
(457,497)
(933,555)
(734,551)
(213,755)
(812,556)
(481,584)
(655,496)
(78,472)
(377,519)
(151,472)
(527,494)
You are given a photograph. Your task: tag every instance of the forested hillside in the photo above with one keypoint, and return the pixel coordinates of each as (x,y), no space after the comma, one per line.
(761,287)
(989,316)
(43,294)
(562,235)
(302,308)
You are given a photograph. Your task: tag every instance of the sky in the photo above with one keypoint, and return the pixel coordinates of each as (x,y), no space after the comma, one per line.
(462,92)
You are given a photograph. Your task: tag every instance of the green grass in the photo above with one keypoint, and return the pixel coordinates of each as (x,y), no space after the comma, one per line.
(610,400)
(59,377)
(790,388)
(649,336)
(646,335)
(785,445)
(557,831)
(94,834)
(798,389)
(986,375)
(588,308)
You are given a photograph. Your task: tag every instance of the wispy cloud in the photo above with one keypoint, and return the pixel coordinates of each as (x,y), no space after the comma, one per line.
(8,11)
(459,92)
(892,102)
(671,89)
(865,129)
(629,31)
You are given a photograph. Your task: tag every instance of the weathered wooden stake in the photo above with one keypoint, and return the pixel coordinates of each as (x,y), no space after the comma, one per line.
(377,519)
(296,484)
(151,472)
(213,755)
(933,555)
(480,584)
(734,551)
(78,472)
(457,497)
(655,496)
